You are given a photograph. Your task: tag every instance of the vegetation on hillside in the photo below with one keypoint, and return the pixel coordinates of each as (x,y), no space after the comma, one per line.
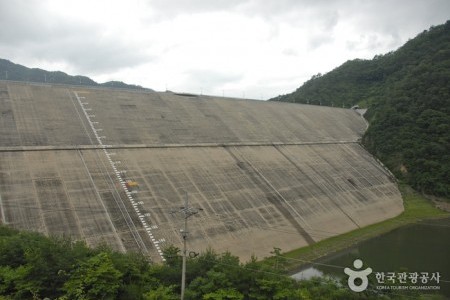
(407,93)
(12,71)
(35,267)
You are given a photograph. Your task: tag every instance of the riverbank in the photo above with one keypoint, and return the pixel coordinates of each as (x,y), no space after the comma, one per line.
(417,208)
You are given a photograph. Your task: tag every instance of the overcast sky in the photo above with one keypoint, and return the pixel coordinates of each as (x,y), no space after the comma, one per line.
(248,48)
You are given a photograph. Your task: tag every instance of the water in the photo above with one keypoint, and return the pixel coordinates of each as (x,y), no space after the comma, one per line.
(423,247)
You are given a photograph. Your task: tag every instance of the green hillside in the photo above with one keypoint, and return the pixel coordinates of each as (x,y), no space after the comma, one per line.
(407,93)
(36,267)
(12,71)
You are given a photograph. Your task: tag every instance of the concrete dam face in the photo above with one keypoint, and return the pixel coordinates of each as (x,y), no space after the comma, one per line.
(112,166)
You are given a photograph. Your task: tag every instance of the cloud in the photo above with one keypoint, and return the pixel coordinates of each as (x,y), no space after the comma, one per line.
(242,45)
(175,7)
(21,21)
(290,52)
(318,40)
(31,30)
(212,79)
(90,52)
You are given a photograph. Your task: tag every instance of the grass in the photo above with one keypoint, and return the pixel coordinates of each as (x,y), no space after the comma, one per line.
(417,208)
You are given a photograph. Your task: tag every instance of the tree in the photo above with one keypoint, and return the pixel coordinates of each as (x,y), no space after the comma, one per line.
(95,279)
(224,294)
(162,293)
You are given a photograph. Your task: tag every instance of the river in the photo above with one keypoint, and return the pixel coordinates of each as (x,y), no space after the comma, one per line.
(422,247)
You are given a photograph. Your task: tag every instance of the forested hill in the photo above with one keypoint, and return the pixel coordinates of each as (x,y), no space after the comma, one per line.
(407,93)
(12,71)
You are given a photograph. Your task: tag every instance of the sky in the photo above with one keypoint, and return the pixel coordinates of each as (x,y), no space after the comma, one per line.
(254,49)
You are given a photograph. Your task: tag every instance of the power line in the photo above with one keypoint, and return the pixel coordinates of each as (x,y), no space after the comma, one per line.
(312,262)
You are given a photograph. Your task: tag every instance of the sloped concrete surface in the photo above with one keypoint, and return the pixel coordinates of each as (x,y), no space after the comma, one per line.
(265,174)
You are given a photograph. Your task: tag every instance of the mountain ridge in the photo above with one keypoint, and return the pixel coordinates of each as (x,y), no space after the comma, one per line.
(407,93)
(17,72)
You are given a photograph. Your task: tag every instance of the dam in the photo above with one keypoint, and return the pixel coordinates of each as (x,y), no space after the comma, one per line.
(114,166)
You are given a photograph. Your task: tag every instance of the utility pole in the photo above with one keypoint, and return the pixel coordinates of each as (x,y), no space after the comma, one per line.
(187,212)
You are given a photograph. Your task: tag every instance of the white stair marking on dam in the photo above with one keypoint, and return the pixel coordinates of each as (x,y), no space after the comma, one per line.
(113,165)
